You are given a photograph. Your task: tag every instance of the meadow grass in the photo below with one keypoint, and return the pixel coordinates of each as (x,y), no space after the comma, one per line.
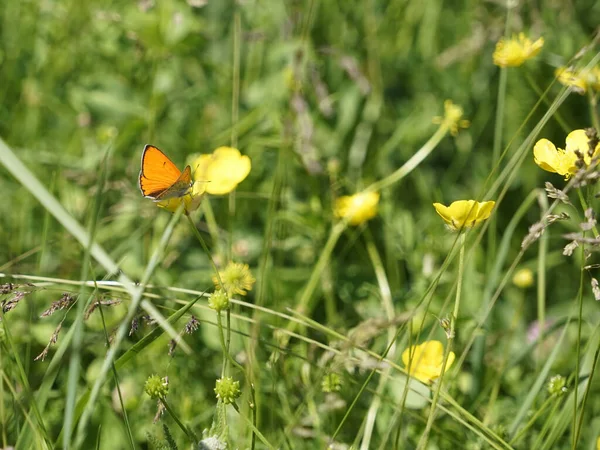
(319,300)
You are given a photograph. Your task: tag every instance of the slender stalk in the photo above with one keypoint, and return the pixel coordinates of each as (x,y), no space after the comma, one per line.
(578,350)
(185,429)
(533,419)
(388,307)
(413,162)
(593,97)
(211,223)
(461,259)
(541,275)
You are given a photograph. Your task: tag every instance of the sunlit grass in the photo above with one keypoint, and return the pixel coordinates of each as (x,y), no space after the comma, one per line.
(311,297)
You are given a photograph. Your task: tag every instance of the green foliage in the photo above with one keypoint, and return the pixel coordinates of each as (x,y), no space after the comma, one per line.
(326,98)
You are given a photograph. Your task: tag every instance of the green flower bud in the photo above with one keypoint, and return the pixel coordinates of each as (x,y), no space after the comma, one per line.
(219,301)
(157,387)
(227,390)
(557,385)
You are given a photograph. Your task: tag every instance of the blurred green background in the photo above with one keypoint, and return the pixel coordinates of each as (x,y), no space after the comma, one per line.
(325,97)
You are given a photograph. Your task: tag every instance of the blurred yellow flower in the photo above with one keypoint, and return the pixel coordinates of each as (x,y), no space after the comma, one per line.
(425,361)
(523,278)
(464,213)
(515,51)
(579,80)
(452,118)
(223,169)
(357,208)
(192,199)
(563,162)
(236,277)
(598,443)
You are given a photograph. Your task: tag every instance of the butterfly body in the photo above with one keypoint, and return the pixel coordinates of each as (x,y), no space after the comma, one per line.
(160,179)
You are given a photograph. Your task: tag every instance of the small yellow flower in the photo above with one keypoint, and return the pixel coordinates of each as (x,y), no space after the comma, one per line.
(236,277)
(223,169)
(452,118)
(192,199)
(563,162)
(515,51)
(357,208)
(464,213)
(598,443)
(523,278)
(425,361)
(579,80)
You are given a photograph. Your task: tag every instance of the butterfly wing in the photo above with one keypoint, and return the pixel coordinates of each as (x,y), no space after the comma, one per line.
(180,187)
(158,172)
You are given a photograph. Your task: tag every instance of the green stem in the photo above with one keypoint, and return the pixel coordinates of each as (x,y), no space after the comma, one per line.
(189,433)
(413,162)
(211,223)
(533,419)
(578,349)
(430,419)
(593,109)
(254,429)
(303,306)
(541,275)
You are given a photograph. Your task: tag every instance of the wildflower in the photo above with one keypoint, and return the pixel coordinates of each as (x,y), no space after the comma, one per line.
(223,169)
(425,361)
(357,208)
(452,118)
(157,387)
(515,51)
(236,278)
(565,162)
(227,390)
(191,200)
(523,278)
(579,80)
(557,385)
(218,300)
(464,213)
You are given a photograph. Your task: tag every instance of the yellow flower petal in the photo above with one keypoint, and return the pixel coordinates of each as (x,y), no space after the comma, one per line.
(515,51)
(575,79)
(464,213)
(223,169)
(563,162)
(546,156)
(578,140)
(425,361)
(357,208)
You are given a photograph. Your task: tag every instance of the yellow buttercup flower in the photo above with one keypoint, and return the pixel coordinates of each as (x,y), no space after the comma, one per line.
(192,199)
(236,278)
(425,361)
(464,213)
(515,51)
(452,118)
(223,169)
(579,80)
(523,278)
(357,208)
(563,162)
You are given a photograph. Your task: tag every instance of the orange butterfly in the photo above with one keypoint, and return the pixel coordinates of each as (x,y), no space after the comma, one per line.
(160,179)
